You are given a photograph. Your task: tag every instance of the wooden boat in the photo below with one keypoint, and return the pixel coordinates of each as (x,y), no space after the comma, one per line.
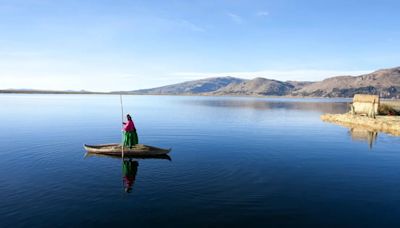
(115,149)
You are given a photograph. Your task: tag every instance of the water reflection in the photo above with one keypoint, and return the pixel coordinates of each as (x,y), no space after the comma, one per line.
(130,166)
(361,134)
(339,106)
(129,171)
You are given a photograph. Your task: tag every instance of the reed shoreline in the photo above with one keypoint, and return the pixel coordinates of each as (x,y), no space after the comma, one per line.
(386,124)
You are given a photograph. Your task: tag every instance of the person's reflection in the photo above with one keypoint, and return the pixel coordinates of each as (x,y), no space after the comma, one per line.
(361,134)
(129,170)
(372,136)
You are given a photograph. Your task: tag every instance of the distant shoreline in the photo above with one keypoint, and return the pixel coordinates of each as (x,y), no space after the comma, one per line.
(180,95)
(384,82)
(138,94)
(46,92)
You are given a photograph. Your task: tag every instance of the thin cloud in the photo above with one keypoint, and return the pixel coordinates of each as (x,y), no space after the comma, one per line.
(235,18)
(193,27)
(262,13)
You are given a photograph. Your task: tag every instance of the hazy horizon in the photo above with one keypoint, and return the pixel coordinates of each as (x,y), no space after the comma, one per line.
(120,45)
(219,76)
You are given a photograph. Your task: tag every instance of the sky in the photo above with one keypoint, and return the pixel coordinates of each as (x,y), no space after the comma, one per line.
(111,45)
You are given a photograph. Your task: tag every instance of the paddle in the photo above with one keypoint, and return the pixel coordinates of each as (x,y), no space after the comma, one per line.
(122,119)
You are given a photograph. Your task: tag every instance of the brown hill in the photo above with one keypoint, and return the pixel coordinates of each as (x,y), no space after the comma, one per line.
(384,82)
(257,86)
(190,87)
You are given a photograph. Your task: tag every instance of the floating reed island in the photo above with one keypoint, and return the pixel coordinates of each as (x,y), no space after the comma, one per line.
(369,112)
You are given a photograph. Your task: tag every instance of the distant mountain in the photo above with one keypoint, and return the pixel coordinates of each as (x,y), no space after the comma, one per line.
(299,84)
(257,86)
(191,87)
(225,86)
(385,82)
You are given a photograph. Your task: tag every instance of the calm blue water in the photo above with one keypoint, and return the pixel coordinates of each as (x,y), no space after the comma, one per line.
(234,162)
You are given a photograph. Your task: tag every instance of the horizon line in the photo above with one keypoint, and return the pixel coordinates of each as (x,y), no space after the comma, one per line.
(195,76)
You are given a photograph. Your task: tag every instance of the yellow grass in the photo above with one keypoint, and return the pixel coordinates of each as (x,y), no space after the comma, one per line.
(387,124)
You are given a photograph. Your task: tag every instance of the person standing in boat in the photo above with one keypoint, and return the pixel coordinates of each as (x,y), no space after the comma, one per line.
(130,136)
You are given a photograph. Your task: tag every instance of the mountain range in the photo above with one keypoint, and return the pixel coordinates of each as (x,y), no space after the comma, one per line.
(385,82)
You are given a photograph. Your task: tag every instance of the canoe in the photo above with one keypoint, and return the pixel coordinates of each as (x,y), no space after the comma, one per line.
(116,150)
(161,157)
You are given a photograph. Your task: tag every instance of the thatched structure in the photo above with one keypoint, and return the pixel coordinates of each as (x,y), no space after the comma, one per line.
(365,98)
(365,105)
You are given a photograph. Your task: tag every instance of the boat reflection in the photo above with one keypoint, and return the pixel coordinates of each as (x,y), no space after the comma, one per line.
(129,171)
(362,134)
(130,166)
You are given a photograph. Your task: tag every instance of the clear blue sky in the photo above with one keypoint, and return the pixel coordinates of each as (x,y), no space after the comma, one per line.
(124,45)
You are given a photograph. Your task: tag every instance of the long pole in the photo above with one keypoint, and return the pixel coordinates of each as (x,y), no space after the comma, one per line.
(122,120)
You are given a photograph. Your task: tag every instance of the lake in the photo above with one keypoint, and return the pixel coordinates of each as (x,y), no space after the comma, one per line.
(234,162)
